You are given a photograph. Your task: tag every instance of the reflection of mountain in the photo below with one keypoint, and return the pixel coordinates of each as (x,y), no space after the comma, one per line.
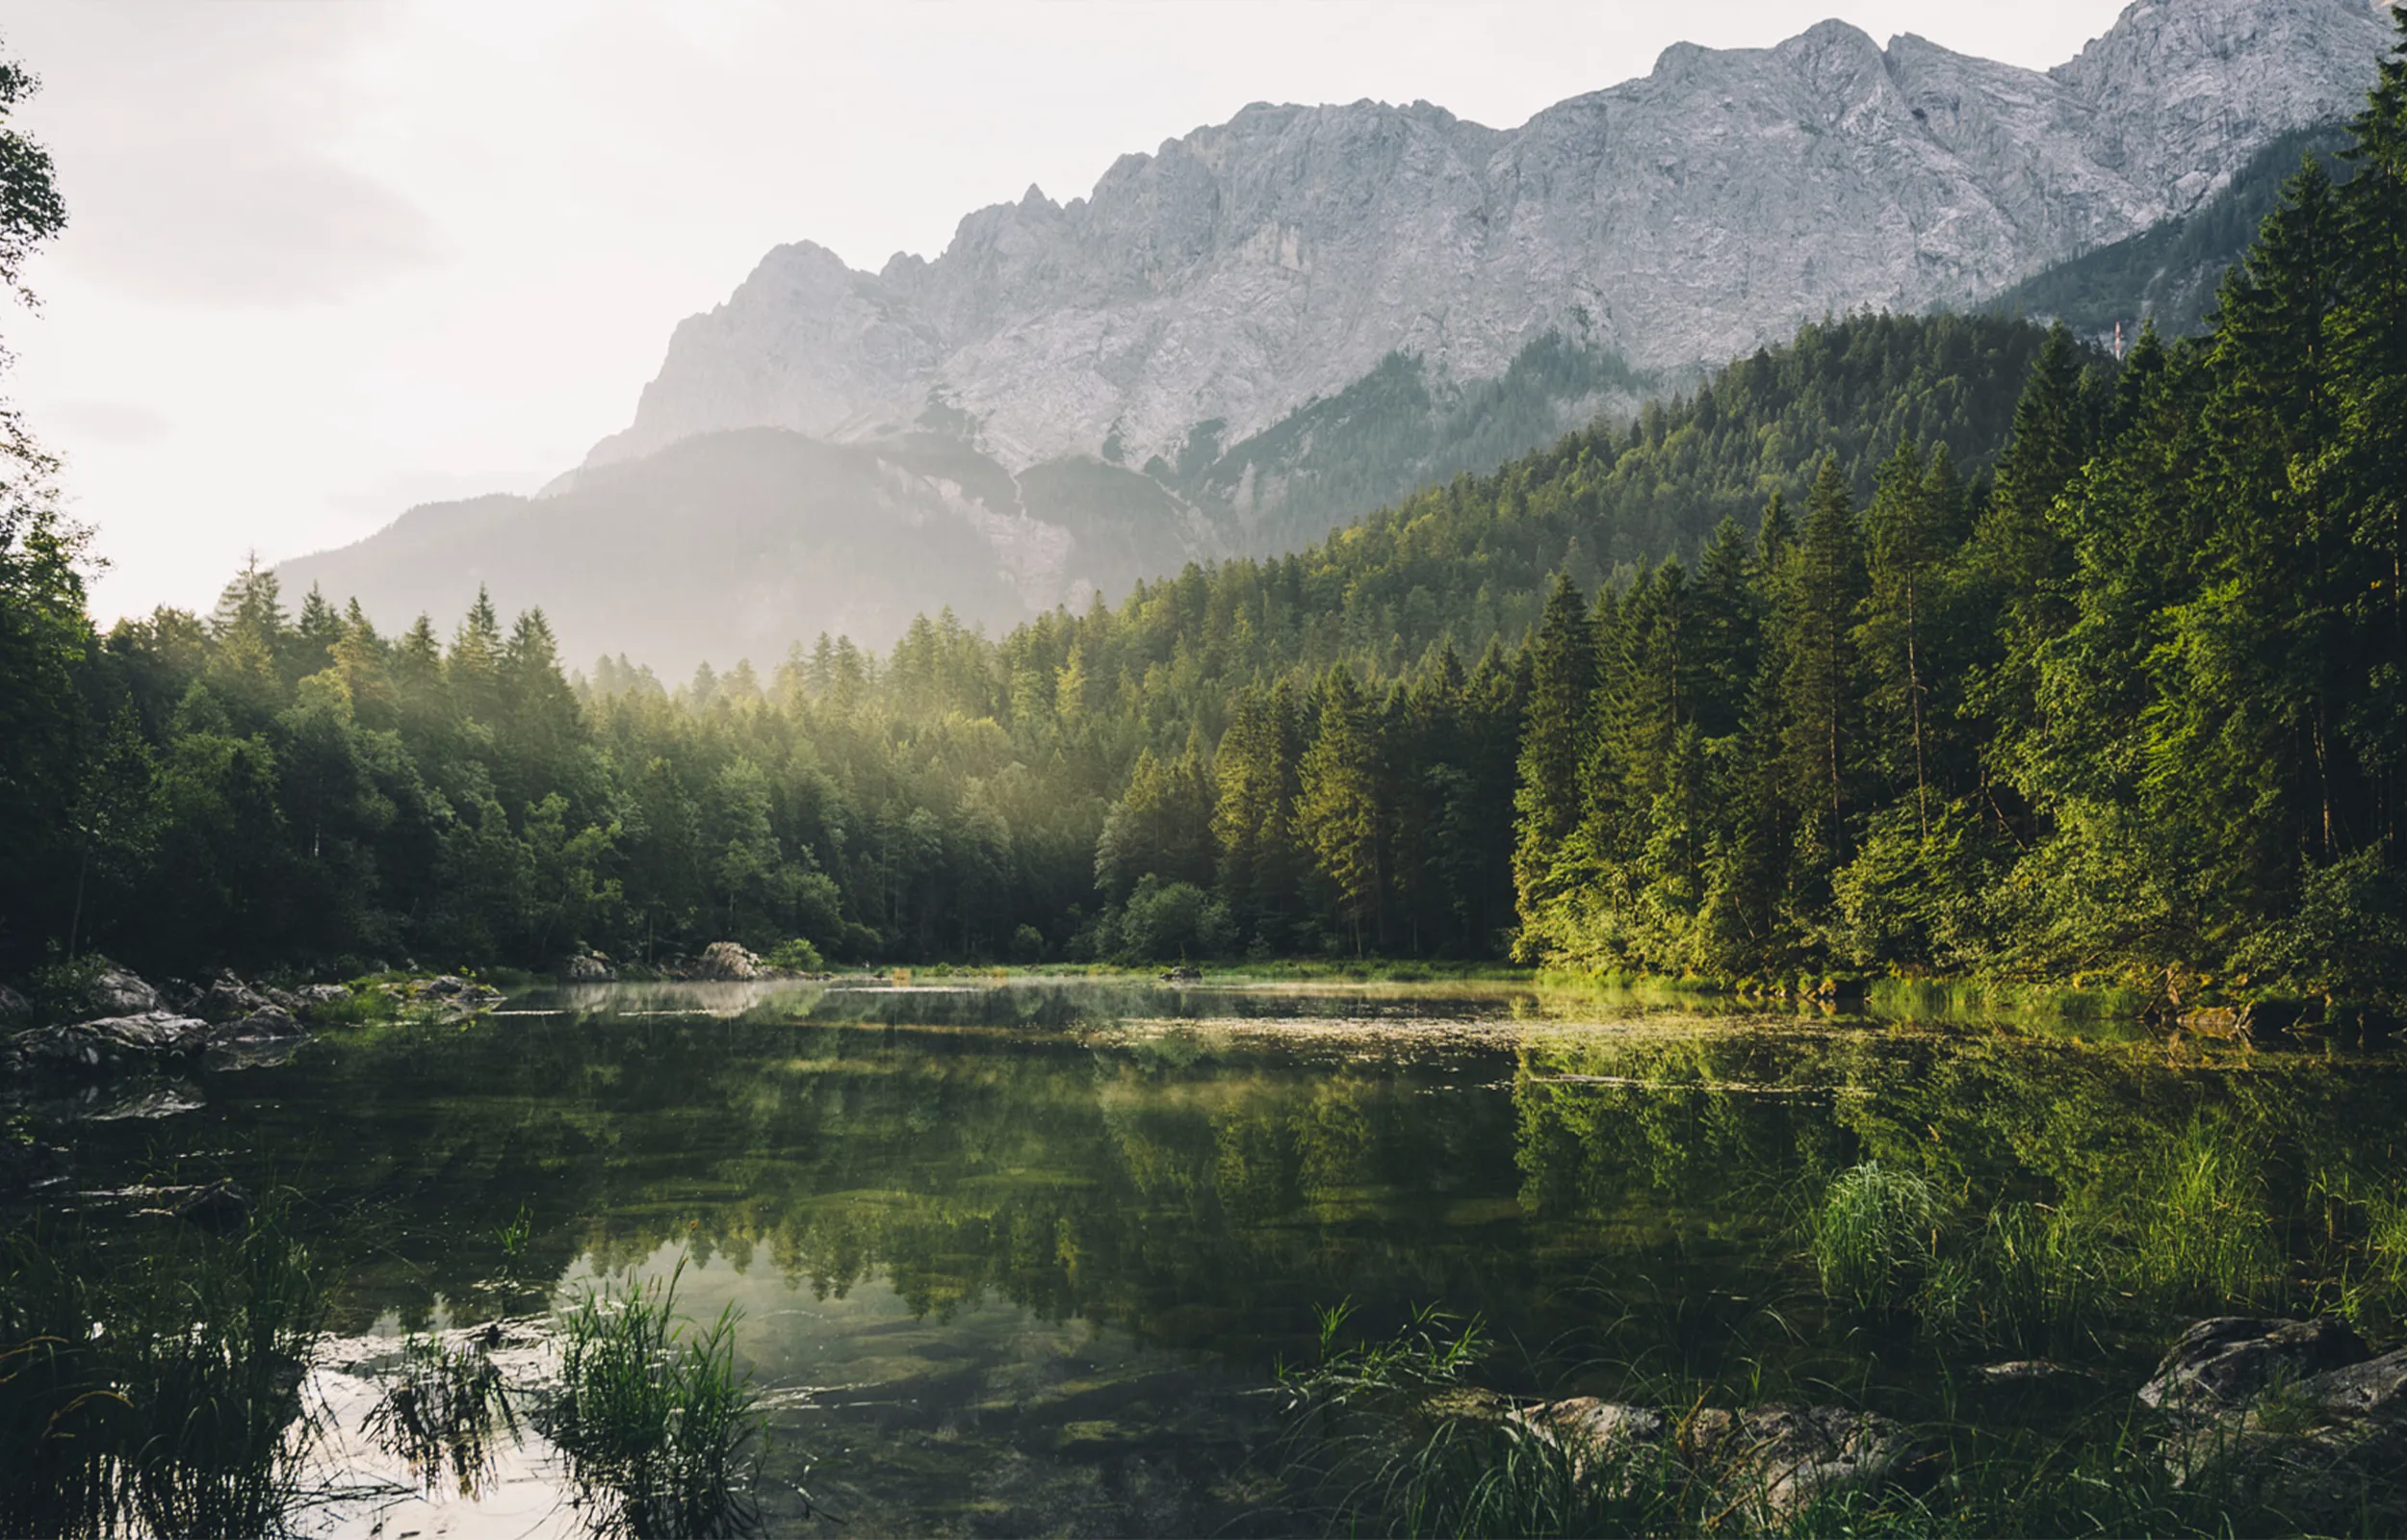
(1276,324)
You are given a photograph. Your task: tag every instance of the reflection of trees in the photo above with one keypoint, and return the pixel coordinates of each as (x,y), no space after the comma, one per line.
(1637,1134)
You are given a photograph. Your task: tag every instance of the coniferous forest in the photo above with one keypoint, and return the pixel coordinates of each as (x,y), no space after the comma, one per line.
(1933,646)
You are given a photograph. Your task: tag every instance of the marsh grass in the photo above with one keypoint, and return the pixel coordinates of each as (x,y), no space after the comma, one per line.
(657,1426)
(2034,1279)
(2201,1232)
(154,1389)
(1875,1235)
(443,1413)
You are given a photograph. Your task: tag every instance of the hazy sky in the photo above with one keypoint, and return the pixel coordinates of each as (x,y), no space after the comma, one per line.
(325,261)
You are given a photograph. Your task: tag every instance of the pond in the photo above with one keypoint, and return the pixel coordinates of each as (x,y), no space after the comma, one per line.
(1016,1256)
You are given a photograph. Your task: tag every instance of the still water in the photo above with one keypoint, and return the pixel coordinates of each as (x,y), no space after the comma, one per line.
(1018,1257)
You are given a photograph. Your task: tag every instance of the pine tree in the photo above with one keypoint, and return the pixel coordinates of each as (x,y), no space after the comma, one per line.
(1339,815)
(1549,801)
(1819,691)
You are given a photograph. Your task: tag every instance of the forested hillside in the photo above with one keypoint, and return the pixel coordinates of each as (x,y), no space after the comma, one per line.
(1923,645)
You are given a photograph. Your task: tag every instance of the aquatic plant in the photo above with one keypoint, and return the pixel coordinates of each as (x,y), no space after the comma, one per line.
(154,1389)
(2201,1234)
(657,1425)
(2033,1278)
(1875,1235)
(443,1413)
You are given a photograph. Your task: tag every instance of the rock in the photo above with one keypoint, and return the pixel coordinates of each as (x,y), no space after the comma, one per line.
(14,1007)
(317,995)
(1183,974)
(1770,1460)
(119,992)
(725,959)
(229,999)
(587,968)
(2032,1371)
(95,1047)
(448,989)
(269,1021)
(2333,1442)
(1780,1458)
(2221,1364)
(1602,1437)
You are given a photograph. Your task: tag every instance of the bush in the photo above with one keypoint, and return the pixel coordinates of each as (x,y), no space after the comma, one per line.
(796,956)
(1170,922)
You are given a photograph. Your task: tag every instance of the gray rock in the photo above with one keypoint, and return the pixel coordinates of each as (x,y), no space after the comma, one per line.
(121,992)
(269,1021)
(1768,1461)
(316,994)
(229,999)
(587,968)
(2222,1364)
(1777,1459)
(95,1047)
(1680,219)
(13,1006)
(726,960)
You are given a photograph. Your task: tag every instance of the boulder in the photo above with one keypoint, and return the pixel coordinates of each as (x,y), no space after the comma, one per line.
(119,992)
(317,995)
(587,968)
(1777,1459)
(2333,1444)
(270,1021)
(2222,1364)
(1183,974)
(229,999)
(90,1048)
(1770,1461)
(726,960)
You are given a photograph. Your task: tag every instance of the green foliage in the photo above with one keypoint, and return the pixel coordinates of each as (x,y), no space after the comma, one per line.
(652,1415)
(1875,1235)
(153,1391)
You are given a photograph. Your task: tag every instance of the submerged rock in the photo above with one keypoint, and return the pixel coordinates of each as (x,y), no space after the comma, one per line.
(2221,1364)
(726,960)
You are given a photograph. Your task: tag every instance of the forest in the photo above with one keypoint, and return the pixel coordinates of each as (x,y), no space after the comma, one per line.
(1924,646)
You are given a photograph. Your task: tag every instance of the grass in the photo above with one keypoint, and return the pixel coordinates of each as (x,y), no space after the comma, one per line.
(153,1389)
(1875,1235)
(444,1414)
(657,1426)
(1419,1453)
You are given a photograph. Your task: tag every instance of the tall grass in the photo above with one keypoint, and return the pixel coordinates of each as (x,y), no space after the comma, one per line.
(153,1390)
(657,1426)
(1875,1235)
(2033,1278)
(444,1414)
(2202,1233)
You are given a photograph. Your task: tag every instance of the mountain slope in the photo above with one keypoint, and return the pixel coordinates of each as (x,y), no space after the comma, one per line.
(1268,326)
(1674,220)
(2169,275)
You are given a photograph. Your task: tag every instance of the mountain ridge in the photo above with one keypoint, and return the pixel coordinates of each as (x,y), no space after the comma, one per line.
(1270,325)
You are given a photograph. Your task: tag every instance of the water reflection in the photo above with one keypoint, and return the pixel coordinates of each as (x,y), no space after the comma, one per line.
(1022,1256)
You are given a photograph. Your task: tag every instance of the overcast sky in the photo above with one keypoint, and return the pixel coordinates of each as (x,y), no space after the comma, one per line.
(325,261)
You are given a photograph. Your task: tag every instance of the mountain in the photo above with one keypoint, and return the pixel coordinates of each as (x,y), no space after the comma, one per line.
(1268,326)
(2168,275)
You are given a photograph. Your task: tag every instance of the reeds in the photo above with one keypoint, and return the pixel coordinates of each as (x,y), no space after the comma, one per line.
(1875,1235)
(153,1391)
(655,1424)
